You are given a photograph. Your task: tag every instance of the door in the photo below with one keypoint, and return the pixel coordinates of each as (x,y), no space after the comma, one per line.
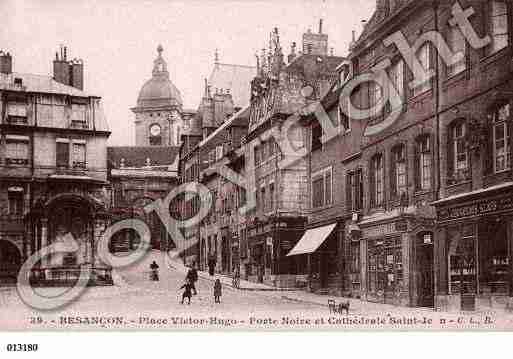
(426,282)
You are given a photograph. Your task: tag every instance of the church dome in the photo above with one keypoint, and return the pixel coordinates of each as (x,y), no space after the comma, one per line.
(159,91)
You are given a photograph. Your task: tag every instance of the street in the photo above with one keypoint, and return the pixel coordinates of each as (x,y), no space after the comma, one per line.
(135,302)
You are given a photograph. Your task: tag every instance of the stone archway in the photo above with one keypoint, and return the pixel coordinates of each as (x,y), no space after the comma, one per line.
(10,261)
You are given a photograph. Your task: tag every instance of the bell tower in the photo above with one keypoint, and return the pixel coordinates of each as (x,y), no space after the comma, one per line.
(158,114)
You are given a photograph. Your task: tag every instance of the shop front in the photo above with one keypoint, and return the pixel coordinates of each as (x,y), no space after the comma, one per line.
(474,250)
(269,243)
(396,261)
(319,249)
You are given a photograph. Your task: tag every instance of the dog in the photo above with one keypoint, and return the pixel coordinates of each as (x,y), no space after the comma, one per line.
(343,306)
(334,308)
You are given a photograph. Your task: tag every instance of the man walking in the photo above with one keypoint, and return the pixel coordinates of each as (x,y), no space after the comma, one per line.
(192,277)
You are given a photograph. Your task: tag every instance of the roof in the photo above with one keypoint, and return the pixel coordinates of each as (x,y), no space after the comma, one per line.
(159,91)
(236,78)
(379,16)
(136,156)
(242,114)
(40,84)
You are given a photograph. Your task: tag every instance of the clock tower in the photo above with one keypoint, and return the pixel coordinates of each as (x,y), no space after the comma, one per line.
(159,112)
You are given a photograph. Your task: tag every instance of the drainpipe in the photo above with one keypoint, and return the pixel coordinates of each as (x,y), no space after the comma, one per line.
(437,109)
(437,146)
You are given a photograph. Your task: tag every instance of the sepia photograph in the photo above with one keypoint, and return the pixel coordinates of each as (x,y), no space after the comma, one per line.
(266,166)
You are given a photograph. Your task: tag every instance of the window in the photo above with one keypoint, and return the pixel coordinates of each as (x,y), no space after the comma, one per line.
(375,95)
(15,203)
(79,155)
(17,151)
(501,145)
(424,57)
(272,146)
(17,112)
(322,188)
(354,258)
(62,155)
(498,26)
(271,196)
(343,121)
(376,178)
(457,44)
(462,261)
(316,136)
(257,155)
(397,77)
(155,141)
(354,190)
(263,201)
(78,116)
(423,160)
(399,171)
(460,159)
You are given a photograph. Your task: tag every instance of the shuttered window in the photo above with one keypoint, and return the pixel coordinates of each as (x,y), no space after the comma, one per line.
(398,171)
(424,55)
(377,188)
(501,141)
(354,190)
(423,163)
(62,154)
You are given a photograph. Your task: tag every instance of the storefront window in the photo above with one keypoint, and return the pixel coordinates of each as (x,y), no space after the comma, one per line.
(493,259)
(385,270)
(462,261)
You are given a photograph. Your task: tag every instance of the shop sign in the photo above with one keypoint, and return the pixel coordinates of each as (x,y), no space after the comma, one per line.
(477,208)
(379,230)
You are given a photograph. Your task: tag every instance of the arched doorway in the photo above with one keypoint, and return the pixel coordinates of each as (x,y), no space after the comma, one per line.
(10,262)
(70,219)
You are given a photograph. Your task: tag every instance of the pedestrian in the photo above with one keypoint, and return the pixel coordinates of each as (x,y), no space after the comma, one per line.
(192,277)
(217,291)
(211,264)
(154,267)
(187,291)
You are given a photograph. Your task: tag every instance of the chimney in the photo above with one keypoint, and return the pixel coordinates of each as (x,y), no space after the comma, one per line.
(61,68)
(320,26)
(70,73)
(77,74)
(5,63)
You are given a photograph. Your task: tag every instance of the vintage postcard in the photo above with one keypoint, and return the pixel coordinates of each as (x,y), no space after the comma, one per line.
(256,165)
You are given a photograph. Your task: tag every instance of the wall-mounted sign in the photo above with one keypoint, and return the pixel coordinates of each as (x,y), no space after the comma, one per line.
(428,239)
(480,207)
(379,230)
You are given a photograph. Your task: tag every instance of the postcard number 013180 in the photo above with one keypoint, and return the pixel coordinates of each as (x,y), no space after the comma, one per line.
(22,347)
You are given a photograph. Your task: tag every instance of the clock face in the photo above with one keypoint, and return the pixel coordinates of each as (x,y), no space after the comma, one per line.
(155,130)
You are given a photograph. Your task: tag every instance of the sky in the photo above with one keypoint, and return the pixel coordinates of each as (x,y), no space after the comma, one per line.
(118,39)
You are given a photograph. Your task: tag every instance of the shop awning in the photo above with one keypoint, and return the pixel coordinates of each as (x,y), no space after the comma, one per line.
(311,240)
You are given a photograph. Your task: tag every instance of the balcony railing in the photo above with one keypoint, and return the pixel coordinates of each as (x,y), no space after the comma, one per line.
(79,124)
(16,161)
(17,120)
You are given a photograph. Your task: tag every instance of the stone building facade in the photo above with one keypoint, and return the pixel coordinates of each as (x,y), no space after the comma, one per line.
(275,229)
(429,227)
(54,170)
